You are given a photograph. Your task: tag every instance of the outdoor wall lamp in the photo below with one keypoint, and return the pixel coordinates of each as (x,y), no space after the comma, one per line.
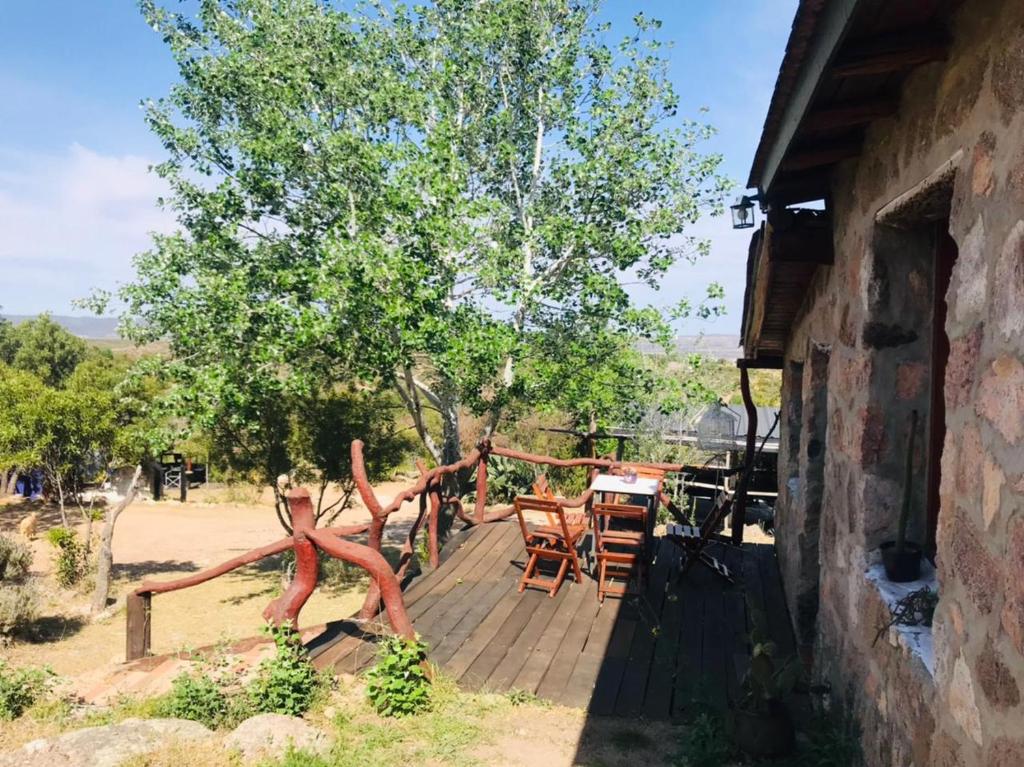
(743,212)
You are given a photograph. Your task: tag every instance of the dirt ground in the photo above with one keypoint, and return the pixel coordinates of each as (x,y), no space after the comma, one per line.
(165,540)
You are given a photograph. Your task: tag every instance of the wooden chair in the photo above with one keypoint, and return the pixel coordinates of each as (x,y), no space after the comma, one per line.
(542,489)
(555,542)
(620,552)
(693,539)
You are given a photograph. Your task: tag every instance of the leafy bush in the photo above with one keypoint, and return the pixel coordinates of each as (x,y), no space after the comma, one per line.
(398,685)
(199,697)
(20,688)
(508,478)
(287,683)
(15,559)
(71,558)
(19,605)
(704,744)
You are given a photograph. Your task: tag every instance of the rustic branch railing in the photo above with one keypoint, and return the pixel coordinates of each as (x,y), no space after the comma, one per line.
(385,583)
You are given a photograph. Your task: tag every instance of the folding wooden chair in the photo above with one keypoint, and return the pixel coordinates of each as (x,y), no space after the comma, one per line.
(620,553)
(542,489)
(693,539)
(555,542)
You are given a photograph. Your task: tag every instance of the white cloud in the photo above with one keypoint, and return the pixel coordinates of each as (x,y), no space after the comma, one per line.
(71,222)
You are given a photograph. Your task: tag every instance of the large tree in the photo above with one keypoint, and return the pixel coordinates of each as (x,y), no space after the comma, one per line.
(425,198)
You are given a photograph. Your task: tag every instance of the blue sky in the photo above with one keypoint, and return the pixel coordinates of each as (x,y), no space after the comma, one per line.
(76,200)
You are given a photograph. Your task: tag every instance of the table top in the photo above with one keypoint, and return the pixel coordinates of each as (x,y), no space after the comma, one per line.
(613,483)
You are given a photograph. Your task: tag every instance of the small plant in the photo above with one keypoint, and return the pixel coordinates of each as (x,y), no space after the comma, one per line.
(398,685)
(704,744)
(19,606)
(20,688)
(71,556)
(15,560)
(831,742)
(767,681)
(197,696)
(519,697)
(287,683)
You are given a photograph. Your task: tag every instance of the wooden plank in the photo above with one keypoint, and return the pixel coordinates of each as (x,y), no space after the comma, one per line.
(688,658)
(630,699)
(714,668)
(613,663)
(818,156)
(658,697)
(830,29)
(471,621)
(138,630)
(426,583)
(543,655)
(457,571)
(850,114)
(580,687)
(890,53)
(555,681)
(530,601)
(446,614)
(735,641)
(520,649)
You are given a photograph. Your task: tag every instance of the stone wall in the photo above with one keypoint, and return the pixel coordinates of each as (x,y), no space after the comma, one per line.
(871,312)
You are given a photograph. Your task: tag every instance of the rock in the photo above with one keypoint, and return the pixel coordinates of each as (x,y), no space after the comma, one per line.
(270,735)
(105,746)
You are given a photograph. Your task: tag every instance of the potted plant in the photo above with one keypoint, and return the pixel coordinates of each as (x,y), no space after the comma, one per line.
(902,558)
(763,726)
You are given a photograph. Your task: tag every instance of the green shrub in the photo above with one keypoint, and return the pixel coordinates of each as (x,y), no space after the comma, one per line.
(71,558)
(705,744)
(19,605)
(20,688)
(199,697)
(508,478)
(15,560)
(287,683)
(398,684)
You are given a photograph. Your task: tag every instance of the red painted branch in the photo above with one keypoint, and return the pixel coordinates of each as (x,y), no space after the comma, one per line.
(374,563)
(158,587)
(370,499)
(410,542)
(286,608)
(433,543)
(481,482)
(495,515)
(347,531)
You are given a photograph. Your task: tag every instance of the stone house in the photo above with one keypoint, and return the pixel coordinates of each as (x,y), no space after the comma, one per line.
(888,277)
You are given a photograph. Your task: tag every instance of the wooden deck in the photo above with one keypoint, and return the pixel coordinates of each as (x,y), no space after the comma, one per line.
(679,646)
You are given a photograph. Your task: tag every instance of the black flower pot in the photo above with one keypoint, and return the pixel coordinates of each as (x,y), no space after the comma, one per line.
(764,734)
(901,566)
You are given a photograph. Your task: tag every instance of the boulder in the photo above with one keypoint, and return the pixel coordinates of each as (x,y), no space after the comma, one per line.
(106,746)
(269,735)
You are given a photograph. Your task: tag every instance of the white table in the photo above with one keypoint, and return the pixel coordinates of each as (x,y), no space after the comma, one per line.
(614,483)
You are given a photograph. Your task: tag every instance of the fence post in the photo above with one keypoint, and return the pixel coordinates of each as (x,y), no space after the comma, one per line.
(481,483)
(138,608)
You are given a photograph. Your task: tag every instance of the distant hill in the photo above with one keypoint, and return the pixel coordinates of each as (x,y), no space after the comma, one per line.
(91,328)
(718,346)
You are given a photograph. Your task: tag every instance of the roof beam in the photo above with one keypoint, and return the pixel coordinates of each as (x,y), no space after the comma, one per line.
(849,115)
(834,24)
(892,53)
(817,156)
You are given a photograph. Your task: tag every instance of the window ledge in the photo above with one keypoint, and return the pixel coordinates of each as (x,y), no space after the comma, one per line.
(917,640)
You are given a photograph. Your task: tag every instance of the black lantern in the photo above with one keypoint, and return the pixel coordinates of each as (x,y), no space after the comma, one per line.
(743,213)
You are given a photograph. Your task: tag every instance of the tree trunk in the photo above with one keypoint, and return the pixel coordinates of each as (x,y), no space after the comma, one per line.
(11,482)
(105,555)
